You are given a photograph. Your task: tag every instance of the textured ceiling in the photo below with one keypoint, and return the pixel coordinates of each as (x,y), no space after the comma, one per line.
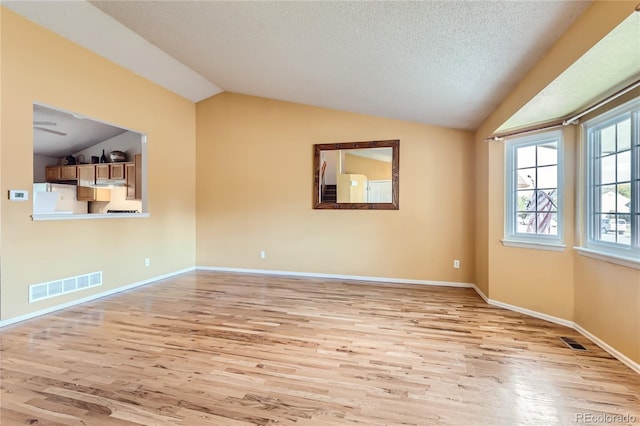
(447,63)
(58,133)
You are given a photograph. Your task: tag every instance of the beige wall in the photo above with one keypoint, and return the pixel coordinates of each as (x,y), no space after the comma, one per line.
(539,280)
(38,65)
(607,303)
(601,297)
(254,192)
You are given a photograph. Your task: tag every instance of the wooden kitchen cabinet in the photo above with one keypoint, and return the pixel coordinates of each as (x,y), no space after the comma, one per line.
(52,173)
(102,171)
(58,173)
(133,174)
(86,180)
(110,171)
(138,162)
(116,170)
(130,171)
(68,172)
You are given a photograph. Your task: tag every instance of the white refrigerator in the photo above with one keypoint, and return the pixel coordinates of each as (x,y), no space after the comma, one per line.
(57,198)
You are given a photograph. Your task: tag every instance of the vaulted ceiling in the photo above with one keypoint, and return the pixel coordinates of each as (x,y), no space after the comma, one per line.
(447,63)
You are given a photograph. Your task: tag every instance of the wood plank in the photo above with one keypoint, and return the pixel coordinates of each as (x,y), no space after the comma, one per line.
(240,349)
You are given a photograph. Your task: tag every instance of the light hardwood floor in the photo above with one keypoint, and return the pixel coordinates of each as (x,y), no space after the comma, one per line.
(208,348)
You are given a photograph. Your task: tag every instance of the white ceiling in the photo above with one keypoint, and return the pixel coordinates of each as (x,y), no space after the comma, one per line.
(447,63)
(59,133)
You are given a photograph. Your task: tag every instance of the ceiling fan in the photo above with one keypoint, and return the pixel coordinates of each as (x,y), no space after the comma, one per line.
(37,126)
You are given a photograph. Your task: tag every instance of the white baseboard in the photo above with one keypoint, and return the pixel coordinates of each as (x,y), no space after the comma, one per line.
(616,354)
(88,298)
(621,357)
(484,296)
(336,276)
(535,314)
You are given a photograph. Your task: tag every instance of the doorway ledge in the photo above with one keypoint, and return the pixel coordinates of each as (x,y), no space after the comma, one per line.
(39,217)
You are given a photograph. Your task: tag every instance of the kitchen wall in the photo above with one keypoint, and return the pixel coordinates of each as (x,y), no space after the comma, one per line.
(601,298)
(128,142)
(254,192)
(40,162)
(40,66)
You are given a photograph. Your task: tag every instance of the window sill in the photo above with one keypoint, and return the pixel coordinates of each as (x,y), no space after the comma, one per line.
(535,246)
(628,262)
(39,217)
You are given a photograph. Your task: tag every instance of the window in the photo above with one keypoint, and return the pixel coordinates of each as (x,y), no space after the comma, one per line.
(69,182)
(534,190)
(613,182)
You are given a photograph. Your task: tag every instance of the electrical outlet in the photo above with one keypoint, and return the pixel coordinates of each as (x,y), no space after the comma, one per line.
(456,264)
(263,254)
(147,262)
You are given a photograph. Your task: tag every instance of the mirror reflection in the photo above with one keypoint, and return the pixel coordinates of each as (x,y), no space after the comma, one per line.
(356,175)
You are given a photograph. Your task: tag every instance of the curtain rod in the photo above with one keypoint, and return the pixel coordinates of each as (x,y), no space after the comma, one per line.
(575,118)
(500,137)
(568,121)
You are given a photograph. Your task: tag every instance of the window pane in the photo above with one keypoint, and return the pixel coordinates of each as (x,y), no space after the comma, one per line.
(608,169)
(608,140)
(526,178)
(623,202)
(553,195)
(624,166)
(526,156)
(553,230)
(608,199)
(624,135)
(614,229)
(548,177)
(540,213)
(522,180)
(525,199)
(548,154)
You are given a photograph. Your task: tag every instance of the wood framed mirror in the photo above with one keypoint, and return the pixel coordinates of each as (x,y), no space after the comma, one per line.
(357,175)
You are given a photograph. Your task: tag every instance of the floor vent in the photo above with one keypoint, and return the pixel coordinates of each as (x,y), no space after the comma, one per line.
(63,286)
(573,344)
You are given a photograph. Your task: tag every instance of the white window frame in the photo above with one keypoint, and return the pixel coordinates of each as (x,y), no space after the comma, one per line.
(526,240)
(594,246)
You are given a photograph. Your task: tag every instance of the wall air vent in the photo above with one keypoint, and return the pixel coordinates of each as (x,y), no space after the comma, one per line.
(63,286)
(573,344)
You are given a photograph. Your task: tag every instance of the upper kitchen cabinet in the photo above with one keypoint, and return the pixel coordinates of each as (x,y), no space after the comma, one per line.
(59,173)
(116,171)
(133,173)
(110,171)
(102,171)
